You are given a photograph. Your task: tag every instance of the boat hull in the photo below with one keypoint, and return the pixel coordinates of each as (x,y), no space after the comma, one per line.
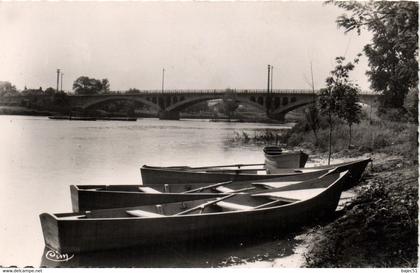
(285,160)
(162,175)
(92,234)
(355,169)
(159,175)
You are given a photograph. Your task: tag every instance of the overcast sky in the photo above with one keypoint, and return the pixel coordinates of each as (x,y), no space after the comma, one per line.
(201,45)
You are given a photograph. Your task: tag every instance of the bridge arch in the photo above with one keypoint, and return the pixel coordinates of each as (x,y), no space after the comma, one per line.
(117,98)
(292,103)
(183,104)
(174,102)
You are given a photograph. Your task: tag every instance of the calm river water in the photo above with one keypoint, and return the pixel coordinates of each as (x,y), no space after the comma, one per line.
(40,158)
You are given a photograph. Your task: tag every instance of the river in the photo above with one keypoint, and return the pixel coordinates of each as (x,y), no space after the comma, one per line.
(40,158)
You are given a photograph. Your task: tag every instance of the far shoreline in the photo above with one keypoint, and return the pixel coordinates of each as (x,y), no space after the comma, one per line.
(24,111)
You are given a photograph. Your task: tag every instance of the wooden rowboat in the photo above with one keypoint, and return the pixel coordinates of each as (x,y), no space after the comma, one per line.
(92,197)
(215,174)
(208,219)
(210,174)
(276,158)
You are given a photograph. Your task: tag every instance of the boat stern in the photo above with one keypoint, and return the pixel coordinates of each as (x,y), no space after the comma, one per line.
(303,159)
(49,225)
(74,193)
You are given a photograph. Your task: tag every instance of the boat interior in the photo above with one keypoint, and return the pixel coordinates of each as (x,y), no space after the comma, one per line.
(232,202)
(254,168)
(273,150)
(229,169)
(222,187)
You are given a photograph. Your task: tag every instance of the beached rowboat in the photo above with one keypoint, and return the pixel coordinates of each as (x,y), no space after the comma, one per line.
(92,197)
(215,219)
(275,158)
(214,174)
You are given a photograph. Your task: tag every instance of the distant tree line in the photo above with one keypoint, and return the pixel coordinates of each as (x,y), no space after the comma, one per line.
(90,86)
(7,89)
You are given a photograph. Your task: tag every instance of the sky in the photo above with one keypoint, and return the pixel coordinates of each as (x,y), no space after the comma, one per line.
(201,45)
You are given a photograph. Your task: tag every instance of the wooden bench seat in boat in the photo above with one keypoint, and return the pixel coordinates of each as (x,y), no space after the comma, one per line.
(94,189)
(232,206)
(73,217)
(148,190)
(142,213)
(292,196)
(223,189)
(273,185)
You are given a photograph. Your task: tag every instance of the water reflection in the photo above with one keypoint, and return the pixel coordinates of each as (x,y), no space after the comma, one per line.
(40,158)
(188,255)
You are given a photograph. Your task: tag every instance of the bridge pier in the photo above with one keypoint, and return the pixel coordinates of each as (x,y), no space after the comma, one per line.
(168,115)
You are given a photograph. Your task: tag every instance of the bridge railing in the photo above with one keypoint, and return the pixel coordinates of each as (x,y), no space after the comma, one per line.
(208,91)
(218,91)
(202,91)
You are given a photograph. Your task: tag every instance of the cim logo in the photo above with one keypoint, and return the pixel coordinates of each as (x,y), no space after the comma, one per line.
(55,256)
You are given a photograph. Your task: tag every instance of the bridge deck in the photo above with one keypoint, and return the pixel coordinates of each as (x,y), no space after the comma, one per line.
(221,91)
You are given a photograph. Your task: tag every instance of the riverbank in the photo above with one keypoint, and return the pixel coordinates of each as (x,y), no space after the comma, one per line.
(379,227)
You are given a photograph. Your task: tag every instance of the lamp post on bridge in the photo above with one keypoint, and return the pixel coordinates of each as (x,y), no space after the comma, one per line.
(58,78)
(313,85)
(268,90)
(163,80)
(162,100)
(61,87)
(271,83)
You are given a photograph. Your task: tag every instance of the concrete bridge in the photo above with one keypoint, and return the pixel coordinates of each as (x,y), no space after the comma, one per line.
(170,103)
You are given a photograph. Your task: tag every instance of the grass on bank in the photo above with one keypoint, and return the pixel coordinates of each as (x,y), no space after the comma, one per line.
(391,137)
(379,228)
(267,136)
(379,136)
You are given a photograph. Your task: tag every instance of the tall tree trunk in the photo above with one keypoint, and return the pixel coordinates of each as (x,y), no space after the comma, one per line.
(329,148)
(329,140)
(316,136)
(349,135)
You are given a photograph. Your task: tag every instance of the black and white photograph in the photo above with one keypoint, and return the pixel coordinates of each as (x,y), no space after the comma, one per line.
(208,134)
